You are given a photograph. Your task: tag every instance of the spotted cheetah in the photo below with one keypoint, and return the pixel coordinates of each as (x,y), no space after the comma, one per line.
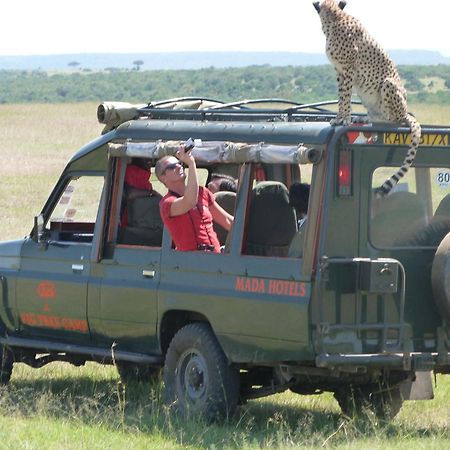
(363,66)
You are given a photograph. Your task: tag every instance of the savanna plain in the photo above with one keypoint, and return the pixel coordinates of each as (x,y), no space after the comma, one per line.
(64,407)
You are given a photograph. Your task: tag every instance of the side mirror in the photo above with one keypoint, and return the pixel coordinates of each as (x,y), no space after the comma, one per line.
(38,234)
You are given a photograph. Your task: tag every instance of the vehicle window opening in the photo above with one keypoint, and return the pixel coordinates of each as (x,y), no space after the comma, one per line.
(271,223)
(139,217)
(280,170)
(74,216)
(417,211)
(222,181)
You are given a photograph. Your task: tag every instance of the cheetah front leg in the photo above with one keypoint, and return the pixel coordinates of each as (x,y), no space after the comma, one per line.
(345,80)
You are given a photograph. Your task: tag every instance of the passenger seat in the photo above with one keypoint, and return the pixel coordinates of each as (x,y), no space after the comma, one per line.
(272,223)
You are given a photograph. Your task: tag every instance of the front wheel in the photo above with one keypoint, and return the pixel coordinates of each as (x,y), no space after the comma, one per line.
(198,379)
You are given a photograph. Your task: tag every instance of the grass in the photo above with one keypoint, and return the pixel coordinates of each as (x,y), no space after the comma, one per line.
(64,407)
(61,406)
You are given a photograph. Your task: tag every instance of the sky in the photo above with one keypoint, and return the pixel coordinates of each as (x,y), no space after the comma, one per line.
(44,27)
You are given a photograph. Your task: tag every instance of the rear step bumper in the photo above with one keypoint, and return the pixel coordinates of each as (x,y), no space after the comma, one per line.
(405,361)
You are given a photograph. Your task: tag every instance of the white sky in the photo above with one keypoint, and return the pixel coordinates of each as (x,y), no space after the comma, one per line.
(130,26)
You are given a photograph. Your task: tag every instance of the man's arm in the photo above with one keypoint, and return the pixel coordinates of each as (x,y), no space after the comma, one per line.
(220,216)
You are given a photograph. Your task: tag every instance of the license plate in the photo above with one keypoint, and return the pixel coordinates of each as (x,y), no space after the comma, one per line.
(428,139)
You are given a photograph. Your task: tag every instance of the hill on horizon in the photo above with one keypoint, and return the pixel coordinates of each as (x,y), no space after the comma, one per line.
(194,60)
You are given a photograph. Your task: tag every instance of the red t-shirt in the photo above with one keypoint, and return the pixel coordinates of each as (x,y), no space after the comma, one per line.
(138,178)
(193,228)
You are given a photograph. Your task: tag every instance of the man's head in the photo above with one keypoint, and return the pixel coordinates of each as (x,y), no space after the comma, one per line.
(169,169)
(222,182)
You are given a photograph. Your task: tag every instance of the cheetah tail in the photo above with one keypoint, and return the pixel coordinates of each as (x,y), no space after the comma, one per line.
(416,133)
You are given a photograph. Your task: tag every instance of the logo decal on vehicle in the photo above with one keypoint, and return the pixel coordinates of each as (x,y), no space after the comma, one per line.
(361,137)
(270,286)
(46,289)
(55,322)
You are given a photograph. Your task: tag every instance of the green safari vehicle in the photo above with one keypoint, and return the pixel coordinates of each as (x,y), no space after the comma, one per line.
(355,302)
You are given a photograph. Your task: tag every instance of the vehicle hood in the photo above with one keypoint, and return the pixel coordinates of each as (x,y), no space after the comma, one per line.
(10,254)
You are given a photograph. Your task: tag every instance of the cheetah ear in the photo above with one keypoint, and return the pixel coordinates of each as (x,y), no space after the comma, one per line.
(342,4)
(317,6)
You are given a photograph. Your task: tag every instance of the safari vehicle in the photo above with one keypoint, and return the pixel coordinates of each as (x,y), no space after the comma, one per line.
(355,302)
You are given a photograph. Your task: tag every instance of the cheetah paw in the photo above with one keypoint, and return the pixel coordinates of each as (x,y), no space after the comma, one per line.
(361,120)
(341,120)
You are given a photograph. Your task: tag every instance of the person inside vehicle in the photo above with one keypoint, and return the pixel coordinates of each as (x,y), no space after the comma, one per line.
(299,199)
(188,210)
(222,182)
(136,185)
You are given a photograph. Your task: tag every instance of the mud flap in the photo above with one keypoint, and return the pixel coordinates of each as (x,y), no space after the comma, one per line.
(419,389)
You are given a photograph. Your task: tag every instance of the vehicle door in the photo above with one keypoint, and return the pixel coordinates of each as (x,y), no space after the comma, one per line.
(255,299)
(53,278)
(122,307)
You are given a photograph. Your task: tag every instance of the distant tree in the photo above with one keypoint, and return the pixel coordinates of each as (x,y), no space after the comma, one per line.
(73,64)
(138,63)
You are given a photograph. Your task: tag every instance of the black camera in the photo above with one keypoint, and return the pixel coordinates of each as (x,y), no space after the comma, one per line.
(189,145)
(205,247)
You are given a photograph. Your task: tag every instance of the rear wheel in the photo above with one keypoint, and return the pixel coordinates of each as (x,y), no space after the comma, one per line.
(6,364)
(198,379)
(356,401)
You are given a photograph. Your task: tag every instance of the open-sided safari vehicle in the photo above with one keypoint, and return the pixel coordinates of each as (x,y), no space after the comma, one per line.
(356,302)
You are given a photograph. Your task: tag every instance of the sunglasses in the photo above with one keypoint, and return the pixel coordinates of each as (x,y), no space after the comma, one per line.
(171,167)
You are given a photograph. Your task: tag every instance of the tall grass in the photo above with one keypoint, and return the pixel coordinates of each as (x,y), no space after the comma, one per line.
(64,407)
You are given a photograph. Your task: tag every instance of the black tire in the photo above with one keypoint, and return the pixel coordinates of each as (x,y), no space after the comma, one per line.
(137,373)
(359,401)
(6,364)
(198,379)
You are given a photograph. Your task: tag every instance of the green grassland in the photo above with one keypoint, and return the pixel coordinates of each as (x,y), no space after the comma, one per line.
(65,407)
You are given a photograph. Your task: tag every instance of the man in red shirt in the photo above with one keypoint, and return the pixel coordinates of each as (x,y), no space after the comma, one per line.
(188,210)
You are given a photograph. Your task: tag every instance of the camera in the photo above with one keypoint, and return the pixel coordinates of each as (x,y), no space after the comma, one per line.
(205,247)
(189,145)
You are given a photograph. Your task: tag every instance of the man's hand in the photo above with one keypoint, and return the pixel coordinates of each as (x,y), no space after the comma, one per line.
(186,158)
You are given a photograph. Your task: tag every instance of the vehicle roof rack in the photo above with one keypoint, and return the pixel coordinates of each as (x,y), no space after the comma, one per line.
(112,114)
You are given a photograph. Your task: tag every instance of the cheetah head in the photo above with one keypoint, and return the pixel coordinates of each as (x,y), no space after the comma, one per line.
(329,7)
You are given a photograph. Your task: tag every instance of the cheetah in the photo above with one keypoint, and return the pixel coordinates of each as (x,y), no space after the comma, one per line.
(364,66)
